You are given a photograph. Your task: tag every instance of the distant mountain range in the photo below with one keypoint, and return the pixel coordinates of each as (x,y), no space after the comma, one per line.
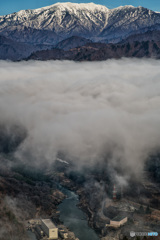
(101,51)
(13,50)
(69,25)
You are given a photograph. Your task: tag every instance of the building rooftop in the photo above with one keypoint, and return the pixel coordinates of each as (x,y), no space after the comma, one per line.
(110,212)
(48,223)
(119,218)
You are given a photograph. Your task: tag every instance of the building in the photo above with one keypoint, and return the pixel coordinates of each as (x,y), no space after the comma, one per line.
(117,221)
(49,228)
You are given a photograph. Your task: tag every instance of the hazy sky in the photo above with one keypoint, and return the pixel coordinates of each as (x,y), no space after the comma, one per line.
(9,6)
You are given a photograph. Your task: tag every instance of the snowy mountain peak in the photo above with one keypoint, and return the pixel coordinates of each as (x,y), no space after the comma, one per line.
(68,6)
(52,24)
(80,6)
(126,7)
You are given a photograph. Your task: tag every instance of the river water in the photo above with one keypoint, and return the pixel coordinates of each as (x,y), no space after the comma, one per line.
(31,235)
(74,218)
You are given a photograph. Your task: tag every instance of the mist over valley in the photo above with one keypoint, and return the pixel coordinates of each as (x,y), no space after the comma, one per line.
(85,126)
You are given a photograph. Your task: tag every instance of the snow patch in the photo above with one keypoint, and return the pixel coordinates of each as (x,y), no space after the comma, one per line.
(62,161)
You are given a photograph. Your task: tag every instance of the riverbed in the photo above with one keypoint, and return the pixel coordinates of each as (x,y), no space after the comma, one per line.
(74,218)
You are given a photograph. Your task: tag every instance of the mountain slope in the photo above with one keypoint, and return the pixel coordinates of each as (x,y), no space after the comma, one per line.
(52,24)
(124,21)
(72,42)
(147,36)
(102,51)
(12,50)
(59,21)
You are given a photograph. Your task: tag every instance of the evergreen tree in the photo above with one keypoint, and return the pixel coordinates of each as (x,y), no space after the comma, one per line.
(148,210)
(125,238)
(141,209)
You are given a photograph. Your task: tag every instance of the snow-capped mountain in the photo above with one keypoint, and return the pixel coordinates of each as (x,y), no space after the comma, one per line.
(129,20)
(49,25)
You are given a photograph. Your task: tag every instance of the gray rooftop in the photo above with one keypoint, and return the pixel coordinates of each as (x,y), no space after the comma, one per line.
(48,223)
(118,218)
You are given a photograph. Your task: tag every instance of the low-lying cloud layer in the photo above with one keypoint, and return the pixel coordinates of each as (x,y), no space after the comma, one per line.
(89,111)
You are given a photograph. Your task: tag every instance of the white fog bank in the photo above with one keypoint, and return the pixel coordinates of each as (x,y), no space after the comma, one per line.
(85,110)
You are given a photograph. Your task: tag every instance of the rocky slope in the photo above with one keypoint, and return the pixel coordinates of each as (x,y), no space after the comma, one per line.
(49,25)
(24,194)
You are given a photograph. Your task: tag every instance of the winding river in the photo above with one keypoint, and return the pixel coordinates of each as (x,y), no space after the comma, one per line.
(74,218)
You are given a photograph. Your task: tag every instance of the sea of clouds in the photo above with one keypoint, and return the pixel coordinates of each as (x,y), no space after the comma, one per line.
(86,110)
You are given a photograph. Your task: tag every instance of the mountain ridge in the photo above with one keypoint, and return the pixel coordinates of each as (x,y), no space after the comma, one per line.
(12,50)
(52,24)
(101,51)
